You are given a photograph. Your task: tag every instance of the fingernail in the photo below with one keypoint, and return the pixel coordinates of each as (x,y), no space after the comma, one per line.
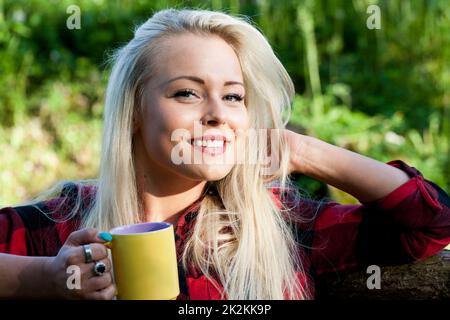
(105,236)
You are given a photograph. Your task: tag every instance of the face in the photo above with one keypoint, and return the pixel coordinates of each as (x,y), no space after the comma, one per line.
(194,111)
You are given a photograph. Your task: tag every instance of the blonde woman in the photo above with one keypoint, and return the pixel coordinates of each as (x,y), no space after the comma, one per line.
(196,83)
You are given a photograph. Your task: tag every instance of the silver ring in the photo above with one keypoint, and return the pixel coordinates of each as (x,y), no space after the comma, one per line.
(87,253)
(99,268)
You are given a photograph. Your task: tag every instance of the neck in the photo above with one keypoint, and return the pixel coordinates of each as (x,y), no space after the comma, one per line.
(166,206)
(164,194)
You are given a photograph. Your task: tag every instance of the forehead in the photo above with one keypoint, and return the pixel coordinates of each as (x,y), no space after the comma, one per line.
(205,56)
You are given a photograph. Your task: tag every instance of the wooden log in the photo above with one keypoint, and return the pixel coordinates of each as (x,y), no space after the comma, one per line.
(425,280)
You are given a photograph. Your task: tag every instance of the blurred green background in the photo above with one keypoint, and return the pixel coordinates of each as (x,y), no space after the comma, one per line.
(383,93)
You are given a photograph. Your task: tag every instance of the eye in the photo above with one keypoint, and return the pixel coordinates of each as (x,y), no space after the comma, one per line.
(185,93)
(234,97)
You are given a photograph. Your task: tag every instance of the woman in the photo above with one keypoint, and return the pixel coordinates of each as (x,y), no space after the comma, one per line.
(195,84)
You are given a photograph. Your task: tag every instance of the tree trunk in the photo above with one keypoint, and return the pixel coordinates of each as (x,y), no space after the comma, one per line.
(428,279)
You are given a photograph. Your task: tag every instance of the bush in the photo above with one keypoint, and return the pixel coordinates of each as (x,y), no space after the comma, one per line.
(383,93)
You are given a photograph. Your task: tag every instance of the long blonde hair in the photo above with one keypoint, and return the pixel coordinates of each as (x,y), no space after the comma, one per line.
(240,235)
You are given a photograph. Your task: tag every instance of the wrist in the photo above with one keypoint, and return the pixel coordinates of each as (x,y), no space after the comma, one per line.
(41,281)
(43,268)
(299,153)
(48,279)
(27,279)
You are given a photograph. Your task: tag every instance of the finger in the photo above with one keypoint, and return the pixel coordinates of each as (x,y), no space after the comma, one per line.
(88,269)
(84,236)
(98,282)
(269,179)
(98,251)
(76,256)
(104,294)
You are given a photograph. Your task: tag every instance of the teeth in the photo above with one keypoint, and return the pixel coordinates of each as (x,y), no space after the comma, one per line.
(209,143)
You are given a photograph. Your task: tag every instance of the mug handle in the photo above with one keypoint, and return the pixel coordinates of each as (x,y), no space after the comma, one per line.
(108,245)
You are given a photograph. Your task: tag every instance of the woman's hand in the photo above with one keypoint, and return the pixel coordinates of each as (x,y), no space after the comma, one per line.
(72,254)
(297,145)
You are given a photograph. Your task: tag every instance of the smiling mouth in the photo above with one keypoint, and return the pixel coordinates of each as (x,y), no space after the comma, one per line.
(212,145)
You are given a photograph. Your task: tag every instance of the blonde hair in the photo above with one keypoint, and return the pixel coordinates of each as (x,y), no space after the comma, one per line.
(241,237)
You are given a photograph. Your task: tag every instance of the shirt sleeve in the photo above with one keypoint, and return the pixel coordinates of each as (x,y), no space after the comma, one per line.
(27,231)
(13,239)
(40,229)
(409,224)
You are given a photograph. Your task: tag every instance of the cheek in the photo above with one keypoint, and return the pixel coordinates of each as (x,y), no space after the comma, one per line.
(162,121)
(240,120)
(159,123)
(240,123)
(155,130)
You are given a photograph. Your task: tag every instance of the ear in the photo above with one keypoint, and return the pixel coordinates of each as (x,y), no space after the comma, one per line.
(136,123)
(138,111)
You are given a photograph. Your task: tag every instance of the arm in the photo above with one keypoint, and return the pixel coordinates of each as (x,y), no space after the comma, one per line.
(46,277)
(362,177)
(402,218)
(23,277)
(26,270)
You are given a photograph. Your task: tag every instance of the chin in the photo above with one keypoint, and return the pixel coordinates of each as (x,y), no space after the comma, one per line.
(215,177)
(208,172)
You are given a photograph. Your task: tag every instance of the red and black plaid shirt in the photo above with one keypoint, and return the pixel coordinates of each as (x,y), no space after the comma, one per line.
(409,224)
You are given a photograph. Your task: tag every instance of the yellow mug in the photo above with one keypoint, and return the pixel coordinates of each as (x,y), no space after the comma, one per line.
(145,261)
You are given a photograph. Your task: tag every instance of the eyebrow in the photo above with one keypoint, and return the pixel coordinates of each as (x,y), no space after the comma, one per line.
(201,81)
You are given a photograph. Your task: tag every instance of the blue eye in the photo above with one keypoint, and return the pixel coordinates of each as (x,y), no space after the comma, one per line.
(234,97)
(188,93)
(184,93)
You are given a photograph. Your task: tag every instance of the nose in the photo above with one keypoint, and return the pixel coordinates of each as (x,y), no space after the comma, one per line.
(215,115)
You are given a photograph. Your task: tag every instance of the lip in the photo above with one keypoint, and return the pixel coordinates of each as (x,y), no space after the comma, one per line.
(211,137)
(213,151)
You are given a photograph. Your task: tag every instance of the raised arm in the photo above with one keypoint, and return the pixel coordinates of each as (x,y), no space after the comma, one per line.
(402,216)
(364,178)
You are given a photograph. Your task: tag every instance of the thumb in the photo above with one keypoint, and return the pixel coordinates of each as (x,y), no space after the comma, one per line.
(84,236)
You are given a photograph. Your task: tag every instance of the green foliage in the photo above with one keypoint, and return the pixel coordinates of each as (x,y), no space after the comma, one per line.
(383,93)
(378,137)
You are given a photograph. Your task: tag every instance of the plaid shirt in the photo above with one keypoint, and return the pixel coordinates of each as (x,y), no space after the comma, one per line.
(409,224)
